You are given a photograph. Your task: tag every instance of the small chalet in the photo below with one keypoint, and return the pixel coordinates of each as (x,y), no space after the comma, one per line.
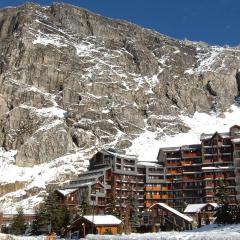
(96,224)
(68,197)
(6,218)
(201,213)
(165,218)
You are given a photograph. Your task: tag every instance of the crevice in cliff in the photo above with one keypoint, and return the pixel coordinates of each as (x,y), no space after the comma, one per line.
(75,140)
(1,25)
(133,52)
(2,63)
(210,89)
(237,97)
(14,25)
(238,81)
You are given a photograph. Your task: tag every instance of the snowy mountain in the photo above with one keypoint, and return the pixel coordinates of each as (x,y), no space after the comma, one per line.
(73,82)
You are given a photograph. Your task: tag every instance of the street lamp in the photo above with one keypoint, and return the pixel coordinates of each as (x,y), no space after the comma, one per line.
(83,225)
(93,200)
(149,214)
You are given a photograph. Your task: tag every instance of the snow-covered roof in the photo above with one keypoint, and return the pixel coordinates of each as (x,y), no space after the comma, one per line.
(170,149)
(100,171)
(65,192)
(85,184)
(89,177)
(209,168)
(217,168)
(193,146)
(214,204)
(103,219)
(174,211)
(149,164)
(236,140)
(209,136)
(194,208)
(121,155)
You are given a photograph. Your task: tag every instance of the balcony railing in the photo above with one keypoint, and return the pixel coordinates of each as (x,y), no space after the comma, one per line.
(208,176)
(207,160)
(209,193)
(187,155)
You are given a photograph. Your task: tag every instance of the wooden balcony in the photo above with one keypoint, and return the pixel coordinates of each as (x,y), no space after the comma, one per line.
(174,164)
(190,155)
(148,204)
(155,196)
(209,176)
(191,179)
(165,188)
(219,176)
(148,196)
(186,163)
(229,176)
(209,194)
(209,185)
(237,148)
(207,161)
(156,188)
(148,188)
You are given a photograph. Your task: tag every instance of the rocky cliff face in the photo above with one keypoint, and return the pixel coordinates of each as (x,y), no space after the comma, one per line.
(73,81)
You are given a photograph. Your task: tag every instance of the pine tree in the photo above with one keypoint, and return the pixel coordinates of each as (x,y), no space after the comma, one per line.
(18,226)
(237,213)
(112,209)
(220,192)
(133,209)
(4,229)
(84,207)
(51,215)
(224,214)
(65,216)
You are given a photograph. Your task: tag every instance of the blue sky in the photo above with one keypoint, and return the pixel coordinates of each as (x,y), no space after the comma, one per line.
(212,21)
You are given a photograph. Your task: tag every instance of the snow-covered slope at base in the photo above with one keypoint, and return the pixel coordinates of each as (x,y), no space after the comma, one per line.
(146,146)
(36,177)
(211,232)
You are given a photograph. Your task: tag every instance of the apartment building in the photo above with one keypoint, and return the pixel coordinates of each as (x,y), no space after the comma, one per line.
(189,174)
(111,177)
(195,172)
(218,166)
(183,174)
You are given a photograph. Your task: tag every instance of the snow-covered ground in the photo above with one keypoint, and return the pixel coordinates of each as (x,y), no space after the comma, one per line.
(36,177)
(211,232)
(146,146)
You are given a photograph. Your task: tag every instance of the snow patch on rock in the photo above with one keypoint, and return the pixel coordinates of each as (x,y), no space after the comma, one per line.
(147,145)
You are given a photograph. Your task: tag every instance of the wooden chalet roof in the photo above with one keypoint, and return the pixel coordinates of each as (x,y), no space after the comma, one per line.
(195,208)
(174,211)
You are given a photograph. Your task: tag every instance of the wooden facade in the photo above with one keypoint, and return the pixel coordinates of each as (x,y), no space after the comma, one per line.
(202,214)
(164,218)
(95,224)
(68,198)
(7,218)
